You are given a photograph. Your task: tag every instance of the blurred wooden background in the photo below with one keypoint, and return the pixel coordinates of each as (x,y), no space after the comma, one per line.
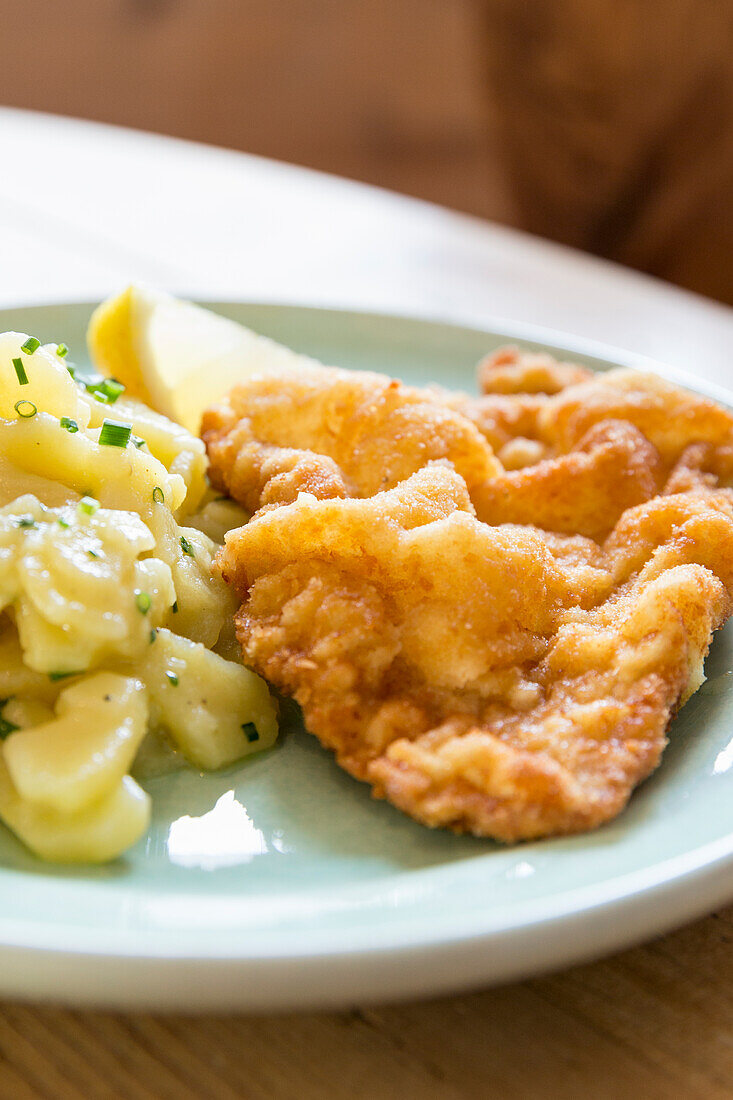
(607,124)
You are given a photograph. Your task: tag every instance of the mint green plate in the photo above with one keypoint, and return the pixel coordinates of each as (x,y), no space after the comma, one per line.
(281,883)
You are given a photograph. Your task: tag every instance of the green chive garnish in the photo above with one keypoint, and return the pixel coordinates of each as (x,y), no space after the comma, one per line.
(62,351)
(138,441)
(69,424)
(62,522)
(153,636)
(88,505)
(6,727)
(113,388)
(26,521)
(174,609)
(158,495)
(144,603)
(25,409)
(61,675)
(106,390)
(30,345)
(20,371)
(71,368)
(186,547)
(172,678)
(249,729)
(115,434)
(93,554)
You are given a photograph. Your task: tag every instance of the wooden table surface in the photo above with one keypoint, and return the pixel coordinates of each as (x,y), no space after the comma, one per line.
(654,1021)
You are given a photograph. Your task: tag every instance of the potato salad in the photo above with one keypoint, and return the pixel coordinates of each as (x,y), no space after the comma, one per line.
(113,627)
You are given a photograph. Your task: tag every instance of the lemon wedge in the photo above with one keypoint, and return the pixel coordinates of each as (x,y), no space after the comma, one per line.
(175,356)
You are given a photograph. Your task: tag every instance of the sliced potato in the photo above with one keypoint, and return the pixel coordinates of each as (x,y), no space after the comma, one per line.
(180,452)
(202,600)
(16,677)
(117,477)
(81,755)
(213,710)
(96,834)
(40,379)
(217,518)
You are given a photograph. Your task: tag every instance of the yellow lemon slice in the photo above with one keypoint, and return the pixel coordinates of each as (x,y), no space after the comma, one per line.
(176,356)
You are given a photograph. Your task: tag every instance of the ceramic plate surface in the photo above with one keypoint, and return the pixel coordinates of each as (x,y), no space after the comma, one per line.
(281,883)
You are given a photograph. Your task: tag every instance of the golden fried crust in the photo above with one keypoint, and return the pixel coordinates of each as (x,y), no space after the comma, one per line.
(502,418)
(671,418)
(576,459)
(380,434)
(516,387)
(702,466)
(585,492)
(509,370)
(448,663)
(553,406)
(334,433)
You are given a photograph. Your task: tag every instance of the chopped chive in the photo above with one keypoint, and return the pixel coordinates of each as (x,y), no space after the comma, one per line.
(113,388)
(71,368)
(61,675)
(158,495)
(106,390)
(138,441)
(153,636)
(62,351)
(186,547)
(88,505)
(144,603)
(174,609)
(114,433)
(6,727)
(69,424)
(26,521)
(20,371)
(93,554)
(62,522)
(249,729)
(30,345)
(25,409)
(172,678)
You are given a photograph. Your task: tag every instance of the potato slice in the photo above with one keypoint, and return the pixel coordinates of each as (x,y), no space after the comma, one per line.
(215,711)
(117,477)
(96,834)
(37,378)
(16,677)
(81,756)
(180,452)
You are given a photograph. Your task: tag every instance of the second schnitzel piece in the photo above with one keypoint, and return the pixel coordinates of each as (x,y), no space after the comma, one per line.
(334,433)
(580,448)
(338,433)
(499,680)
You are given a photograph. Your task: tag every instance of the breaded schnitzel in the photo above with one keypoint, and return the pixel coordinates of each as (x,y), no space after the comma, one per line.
(494,651)
(603,444)
(334,433)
